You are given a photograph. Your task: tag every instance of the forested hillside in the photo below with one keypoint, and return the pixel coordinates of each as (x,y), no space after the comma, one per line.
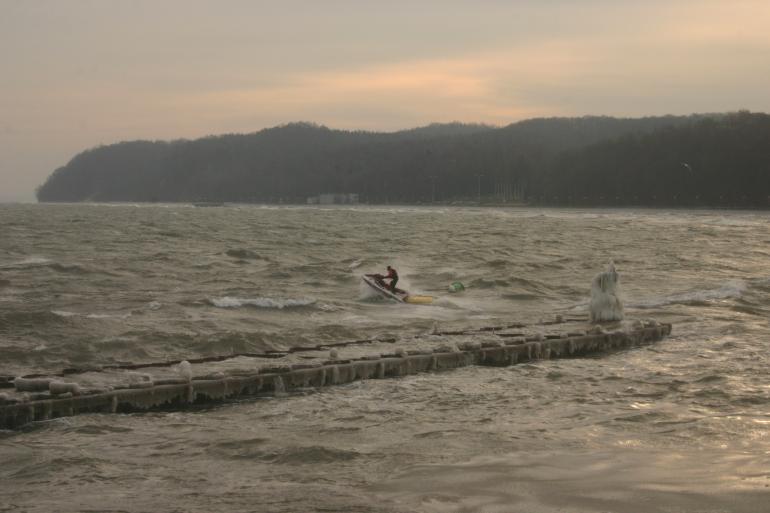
(708,160)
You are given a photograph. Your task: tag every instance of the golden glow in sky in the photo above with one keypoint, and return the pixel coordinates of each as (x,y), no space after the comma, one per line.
(81,73)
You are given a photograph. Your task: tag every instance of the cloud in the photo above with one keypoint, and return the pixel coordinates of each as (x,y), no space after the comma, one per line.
(655,58)
(464,88)
(75,76)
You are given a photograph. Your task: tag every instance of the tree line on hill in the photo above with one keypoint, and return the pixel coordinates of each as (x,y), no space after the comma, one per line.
(697,160)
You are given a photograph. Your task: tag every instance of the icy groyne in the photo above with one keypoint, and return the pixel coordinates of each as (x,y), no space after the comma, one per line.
(55,399)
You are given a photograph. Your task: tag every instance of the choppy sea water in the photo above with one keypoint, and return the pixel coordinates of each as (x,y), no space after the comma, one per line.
(680,426)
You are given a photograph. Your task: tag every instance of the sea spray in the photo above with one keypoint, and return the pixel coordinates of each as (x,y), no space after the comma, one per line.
(606,304)
(279,387)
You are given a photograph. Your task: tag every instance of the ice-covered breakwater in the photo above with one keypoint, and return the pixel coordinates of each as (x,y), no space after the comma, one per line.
(43,398)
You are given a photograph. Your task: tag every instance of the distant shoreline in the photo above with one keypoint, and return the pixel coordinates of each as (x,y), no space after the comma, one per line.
(457,204)
(716,160)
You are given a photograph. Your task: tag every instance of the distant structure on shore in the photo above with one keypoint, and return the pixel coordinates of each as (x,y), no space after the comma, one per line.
(336,198)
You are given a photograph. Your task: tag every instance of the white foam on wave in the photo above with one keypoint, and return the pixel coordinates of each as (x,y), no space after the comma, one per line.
(367,293)
(261,302)
(65,313)
(108,316)
(729,290)
(27,262)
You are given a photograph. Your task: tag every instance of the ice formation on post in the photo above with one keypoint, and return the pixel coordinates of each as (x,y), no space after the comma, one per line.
(605,296)
(184,369)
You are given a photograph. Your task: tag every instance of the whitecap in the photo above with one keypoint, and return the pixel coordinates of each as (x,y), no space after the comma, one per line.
(27,262)
(108,316)
(260,302)
(63,313)
(729,290)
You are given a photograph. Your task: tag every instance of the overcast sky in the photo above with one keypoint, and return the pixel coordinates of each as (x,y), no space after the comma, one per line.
(79,73)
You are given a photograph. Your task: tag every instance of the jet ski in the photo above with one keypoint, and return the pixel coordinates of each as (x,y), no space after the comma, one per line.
(376,281)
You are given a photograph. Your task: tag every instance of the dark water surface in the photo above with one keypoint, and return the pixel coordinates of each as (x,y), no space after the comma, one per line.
(680,426)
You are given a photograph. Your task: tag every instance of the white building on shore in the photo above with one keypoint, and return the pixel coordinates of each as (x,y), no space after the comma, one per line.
(336,198)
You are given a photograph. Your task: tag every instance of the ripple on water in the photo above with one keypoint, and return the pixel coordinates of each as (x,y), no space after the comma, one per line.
(679,423)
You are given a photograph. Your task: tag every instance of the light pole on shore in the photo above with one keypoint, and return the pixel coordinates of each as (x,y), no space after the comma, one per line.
(478,176)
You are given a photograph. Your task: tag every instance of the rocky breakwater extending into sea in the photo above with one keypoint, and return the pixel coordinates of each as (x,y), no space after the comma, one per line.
(174,385)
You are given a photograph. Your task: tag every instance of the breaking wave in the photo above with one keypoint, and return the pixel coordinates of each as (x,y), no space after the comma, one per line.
(27,263)
(261,302)
(65,313)
(730,290)
(40,262)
